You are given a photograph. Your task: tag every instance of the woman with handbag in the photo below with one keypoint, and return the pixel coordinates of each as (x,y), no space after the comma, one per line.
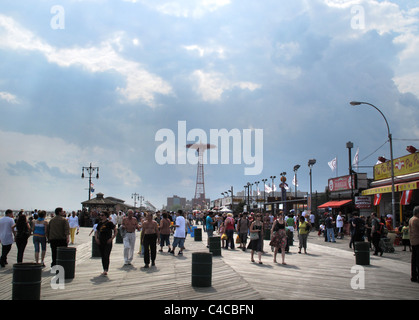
(279,237)
(256,238)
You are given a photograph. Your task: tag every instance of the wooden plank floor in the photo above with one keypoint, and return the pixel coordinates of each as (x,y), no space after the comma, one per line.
(324,273)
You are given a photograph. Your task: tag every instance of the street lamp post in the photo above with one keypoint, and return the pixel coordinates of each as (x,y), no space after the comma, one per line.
(264,193)
(393,201)
(232,197)
(283,191)
(90,170)
(273,195)
(136,197)
(311,163)
(247,186)
(296,167)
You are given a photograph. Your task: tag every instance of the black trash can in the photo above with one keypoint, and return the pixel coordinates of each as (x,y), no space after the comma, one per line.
(198,234)
(215,246)
(362,253)
(119,238)
(201,269)
(95,249)
(66,257)
(27,281)
(290,236)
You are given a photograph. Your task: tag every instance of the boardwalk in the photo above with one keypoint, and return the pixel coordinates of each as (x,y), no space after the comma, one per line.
(324,273)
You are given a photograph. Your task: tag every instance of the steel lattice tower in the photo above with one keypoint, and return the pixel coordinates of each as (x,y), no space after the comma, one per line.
(200,181)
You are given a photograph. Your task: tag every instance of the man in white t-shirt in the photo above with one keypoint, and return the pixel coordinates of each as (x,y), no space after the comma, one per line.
(179,235)
(6,235)
(339,225)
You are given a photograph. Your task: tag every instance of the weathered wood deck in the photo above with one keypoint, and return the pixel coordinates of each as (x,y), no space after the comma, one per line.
(324,273)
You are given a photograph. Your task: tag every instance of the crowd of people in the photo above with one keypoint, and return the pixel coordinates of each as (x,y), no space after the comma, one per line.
(156,229)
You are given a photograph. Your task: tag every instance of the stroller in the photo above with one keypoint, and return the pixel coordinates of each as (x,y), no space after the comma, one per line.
(386,245)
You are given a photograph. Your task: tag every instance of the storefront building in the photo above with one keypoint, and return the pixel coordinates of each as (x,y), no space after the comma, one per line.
(406,187)
(345,194)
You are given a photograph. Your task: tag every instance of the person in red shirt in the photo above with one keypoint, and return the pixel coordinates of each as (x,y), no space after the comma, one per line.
(229,230)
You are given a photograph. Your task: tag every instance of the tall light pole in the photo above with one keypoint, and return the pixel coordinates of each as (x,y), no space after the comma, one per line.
(350,145)
(264,192)
(90,170)
(247,186)
(232,197)
(283,191)
(311,163)
(296,167)
(136,197)
(393,200)
(273,194)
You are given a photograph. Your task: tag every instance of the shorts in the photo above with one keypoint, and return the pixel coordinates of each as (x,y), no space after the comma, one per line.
(40,241)
(178,242)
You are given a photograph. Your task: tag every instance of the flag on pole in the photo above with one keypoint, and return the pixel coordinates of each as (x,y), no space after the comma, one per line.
(274,187)
(332,164)
(268,188)
(356,158)
(377,199)
(92,189)
(258,191)
(406,197)
(294,180)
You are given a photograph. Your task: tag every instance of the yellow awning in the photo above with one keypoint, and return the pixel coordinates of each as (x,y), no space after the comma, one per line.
(387,188)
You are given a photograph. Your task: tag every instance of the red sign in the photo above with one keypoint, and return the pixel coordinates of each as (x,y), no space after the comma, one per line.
(341,183)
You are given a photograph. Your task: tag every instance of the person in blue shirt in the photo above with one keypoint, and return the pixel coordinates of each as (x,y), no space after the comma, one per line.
(209,221)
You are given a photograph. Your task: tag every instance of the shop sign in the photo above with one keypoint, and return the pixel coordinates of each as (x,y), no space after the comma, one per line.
(404,165)
(341,183)
(363,202)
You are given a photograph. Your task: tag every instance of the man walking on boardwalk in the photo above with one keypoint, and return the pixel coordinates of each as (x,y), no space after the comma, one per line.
(58,233)
(179,235)
(150,238)
(414,241)
(7,233)
(130,224)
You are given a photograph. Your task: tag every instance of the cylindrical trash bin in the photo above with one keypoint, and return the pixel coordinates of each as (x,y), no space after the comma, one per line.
(27,281)
(119,238)
(362,253)
(95,249)
(198,234)
(267,235)
(290,236)
(193,229)
(66,257)
(215,246)
(201,269)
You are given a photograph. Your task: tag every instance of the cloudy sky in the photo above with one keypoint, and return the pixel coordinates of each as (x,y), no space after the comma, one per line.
(115,82)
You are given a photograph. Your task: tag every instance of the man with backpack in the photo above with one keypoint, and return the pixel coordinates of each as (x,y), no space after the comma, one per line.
(376,231)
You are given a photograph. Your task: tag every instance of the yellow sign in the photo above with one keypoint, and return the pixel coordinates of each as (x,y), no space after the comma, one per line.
(407,186)
(386,189)
(404,165)
(377,190)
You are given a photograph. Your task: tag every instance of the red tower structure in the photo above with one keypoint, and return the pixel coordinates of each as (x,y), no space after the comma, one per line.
(199,200)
